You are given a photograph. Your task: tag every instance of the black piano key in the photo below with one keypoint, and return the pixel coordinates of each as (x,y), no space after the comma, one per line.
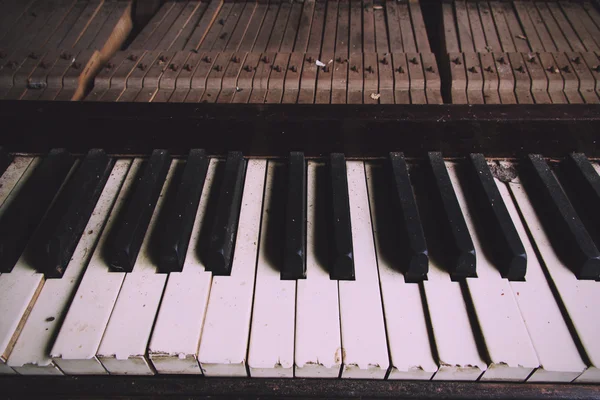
(458,246)
(506,246)
(5,160)
(176,237)
(66,220)
(294,260)
(131,228)
(25,212)
(412,242)
(219,254)
(342,250)
(568,234)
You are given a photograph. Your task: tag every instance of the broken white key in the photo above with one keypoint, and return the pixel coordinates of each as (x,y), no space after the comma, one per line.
(458,355)
(224,341)
(318,350)
(405,318)
(178,326)
(365,350)
(75,348)
(30,354)
(546,326)
(580,298)
(20,287)
(271,346)
(122,350)
(511,353)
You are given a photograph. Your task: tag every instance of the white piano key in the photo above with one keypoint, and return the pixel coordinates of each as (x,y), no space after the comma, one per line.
(178,326)
(318,351)
(224,341)
(271,346)
(580,298)
(405,318)
(122,350)
(20,287)
(459,358)
(507,342)
(30,354)
(365,350)
(74,350)
(547,328)
(11,177)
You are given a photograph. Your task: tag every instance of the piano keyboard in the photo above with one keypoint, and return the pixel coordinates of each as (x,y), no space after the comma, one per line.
(470,269)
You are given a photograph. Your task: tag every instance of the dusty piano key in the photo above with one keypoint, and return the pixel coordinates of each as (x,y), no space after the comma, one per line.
(260,84)
(102,81)
(584,184)
(593,63)
(21,77)
(458,76)
(95,23)
(417,79)
(214,80)
(386,78)
(220,248)
(118,81)
(177,25)
(245,78)
(200,76)
(243,25)
(508,251)
(176,237)
(230,79)
(582,24)
(572,84)
(539,80)
(5,160)
(412,240)
(23,216)
(152,77)
(490,79)
(78,77)
(308,79)
(63,226)
(81,23)
(183,82)
(277,78)
(38,79)
(292,78)
(371,93)
(189,26)
(556,84)
(432,79)
(409,344)
(30,355)
(522,79)
(339,84)
(355,79)
(132,227)
(204,24)
(568,234)
(168,80)
(294,259)
(459,250)
(11,65)
(135,79)
(585,77)
(341,253)
(506,84)
(474,79)
(489,28)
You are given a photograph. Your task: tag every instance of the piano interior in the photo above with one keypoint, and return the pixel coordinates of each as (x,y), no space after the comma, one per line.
(352,198)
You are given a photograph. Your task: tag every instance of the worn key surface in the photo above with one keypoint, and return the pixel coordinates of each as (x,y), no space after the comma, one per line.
(5,160)
(176,237)
(508,250)
(568,234)
(133,224)
(459,249)
(411,243)
(342,250)
(65,222)
(19,221)
(220,249)
(294,260)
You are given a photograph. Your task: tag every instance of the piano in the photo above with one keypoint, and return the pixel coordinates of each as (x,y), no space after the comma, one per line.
(399,200)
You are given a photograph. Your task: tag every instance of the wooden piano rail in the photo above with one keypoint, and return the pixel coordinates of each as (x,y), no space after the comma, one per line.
(274,130)
(199,387)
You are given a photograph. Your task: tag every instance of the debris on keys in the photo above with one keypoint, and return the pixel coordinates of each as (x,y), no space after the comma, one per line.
(375,96)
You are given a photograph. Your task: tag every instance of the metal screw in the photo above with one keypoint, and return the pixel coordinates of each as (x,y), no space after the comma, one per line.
(142,67)
(353,68)
(34,56)
(566,69)
(473,70)
(576,60)
(207,59)
(326,68)
(384,61)
(44,65)
(223,35)
(457,61)
(414,61)
(248,68)
(109,65)
(520,69)
(552,69)
(370,69)
(66,56)
(310,59)
(400,70)
(501,60)
(430,69)
(132,57)
(218,68)
(162,59)
(489,69)
(33,14)
(221,21)
(194,51)
(235,59)
(76,65)
(266,60)
(174,67)
(277,68)
(187,67)
(596,68)
(532,59)
(293,68)
(338,60)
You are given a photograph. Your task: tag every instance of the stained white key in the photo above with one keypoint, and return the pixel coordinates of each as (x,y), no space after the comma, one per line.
(30,354)
(11,177)
(405,318)
(580,298)
(458,355)
(174,344)
(271,346)
(224,342)
(365,351)
(75,348)
(318,350)
(20,287)
(546,326)
(122,350)
(511,353)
